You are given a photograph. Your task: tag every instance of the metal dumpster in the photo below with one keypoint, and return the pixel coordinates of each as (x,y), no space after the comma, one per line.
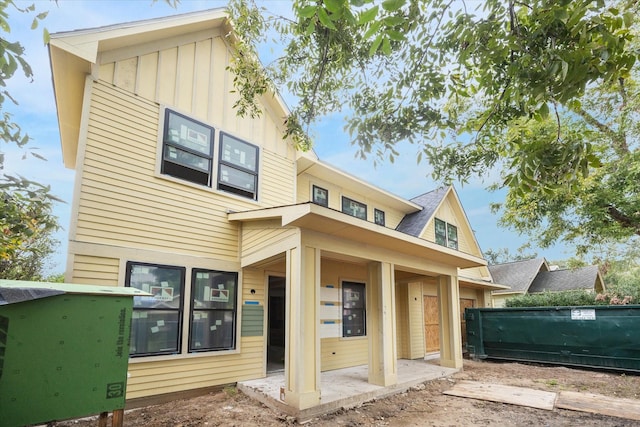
(64,350)
(593,336)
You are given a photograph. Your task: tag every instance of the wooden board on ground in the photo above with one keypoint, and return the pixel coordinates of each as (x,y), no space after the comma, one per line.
(599,404)
(504,394)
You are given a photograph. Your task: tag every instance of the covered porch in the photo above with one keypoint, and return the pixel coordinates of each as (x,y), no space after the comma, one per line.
(344,388)
(319,252)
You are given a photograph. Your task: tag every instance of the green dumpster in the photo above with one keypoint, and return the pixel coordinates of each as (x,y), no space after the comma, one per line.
(593,336)
(64,350)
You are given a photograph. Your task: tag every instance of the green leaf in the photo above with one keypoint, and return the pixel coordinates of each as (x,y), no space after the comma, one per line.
(368,15)
(393,5)
(375,27)
(308,11)
(324,19)
(375,45)
(386,46)
(333,6)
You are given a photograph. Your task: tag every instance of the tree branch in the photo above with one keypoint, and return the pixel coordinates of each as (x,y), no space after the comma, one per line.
(623,219)
(619,144)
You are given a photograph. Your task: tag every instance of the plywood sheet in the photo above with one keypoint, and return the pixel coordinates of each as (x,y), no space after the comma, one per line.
(599,404)
(504,394)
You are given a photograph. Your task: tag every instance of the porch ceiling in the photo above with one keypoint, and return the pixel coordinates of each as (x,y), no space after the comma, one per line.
(309,216)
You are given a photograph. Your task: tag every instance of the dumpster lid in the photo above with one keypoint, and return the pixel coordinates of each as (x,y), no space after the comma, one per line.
(15,291)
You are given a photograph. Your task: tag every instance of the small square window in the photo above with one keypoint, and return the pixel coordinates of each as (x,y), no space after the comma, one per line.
(378,216)
(320,196)
(353,208)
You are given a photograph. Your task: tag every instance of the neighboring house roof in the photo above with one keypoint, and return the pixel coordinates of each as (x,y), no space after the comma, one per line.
(414,223)
(519,275)
(587,278)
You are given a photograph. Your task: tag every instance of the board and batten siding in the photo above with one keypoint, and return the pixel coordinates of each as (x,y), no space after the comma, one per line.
(123,203)
(190,74)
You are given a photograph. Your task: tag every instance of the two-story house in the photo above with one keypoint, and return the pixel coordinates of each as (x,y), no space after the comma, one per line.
(258,257)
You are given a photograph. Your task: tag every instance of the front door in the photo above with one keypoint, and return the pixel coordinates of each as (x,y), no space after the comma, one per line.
(276,324)
(431,324)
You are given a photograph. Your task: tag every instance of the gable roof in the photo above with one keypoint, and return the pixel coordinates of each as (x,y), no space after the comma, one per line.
(519,275)
(414,223)
(587,278)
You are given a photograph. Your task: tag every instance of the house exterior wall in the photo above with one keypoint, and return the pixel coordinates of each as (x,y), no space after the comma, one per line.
(402,321)
(126,210)
(338,352)
(306,181)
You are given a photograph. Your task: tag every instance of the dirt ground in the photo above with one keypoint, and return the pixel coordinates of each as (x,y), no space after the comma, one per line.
(424,405)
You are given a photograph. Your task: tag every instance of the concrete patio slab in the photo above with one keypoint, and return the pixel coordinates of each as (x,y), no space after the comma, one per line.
(344,388)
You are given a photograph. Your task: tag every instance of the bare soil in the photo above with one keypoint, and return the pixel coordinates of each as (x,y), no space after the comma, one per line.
(424,405)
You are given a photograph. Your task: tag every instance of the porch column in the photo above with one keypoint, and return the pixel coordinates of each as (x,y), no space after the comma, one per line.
(381,324)
(450,329)
(302,359)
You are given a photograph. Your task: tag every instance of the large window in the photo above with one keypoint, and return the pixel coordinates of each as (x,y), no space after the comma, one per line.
(354,317)
(353,208)
(187,148)
(446,234)
(213,310)
(238,169)
(156,323)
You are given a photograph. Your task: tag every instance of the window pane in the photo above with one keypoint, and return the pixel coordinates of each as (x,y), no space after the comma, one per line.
(154,331)
(353,208)
(188,133)
(379,217)
(164,283)
(237,178)
(212,329)
(353,323)
(239,153)
(452,234)
(176,155)
(441,232)
(214,290)
(320,196)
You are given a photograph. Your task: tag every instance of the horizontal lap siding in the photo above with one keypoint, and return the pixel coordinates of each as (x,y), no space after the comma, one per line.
(151,378)
(402,322)
(93,270)
(123,203)
(338,353)
(416,321)
(254,240)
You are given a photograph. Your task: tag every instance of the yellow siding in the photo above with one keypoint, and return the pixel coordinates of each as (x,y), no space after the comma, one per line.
(416,322)
(338,353)
(192,76)
(257,236)
(306,181)
(480,273)
(402,322)
(122,203)
(93,270)
(166,376)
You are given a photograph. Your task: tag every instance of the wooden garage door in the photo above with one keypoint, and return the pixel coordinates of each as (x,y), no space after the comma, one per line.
(431,324)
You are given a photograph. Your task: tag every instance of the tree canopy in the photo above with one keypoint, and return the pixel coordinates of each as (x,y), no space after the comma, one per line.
(544,90)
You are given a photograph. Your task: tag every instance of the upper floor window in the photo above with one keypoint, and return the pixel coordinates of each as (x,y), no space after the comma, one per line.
(353,208)
(446,234)
(320,196)
(238,167)
(156,324)
(353,310)
(187,148)
(378,216)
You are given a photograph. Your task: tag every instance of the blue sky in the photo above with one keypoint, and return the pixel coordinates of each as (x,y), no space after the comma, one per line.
(36,113)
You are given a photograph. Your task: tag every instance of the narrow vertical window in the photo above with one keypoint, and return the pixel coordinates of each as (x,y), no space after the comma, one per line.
(378,216)
(157,319)
(354,319)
